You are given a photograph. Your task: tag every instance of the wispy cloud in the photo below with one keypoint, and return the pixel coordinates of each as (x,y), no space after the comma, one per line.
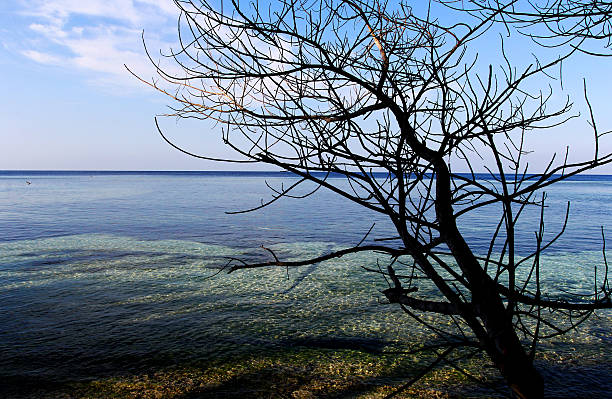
(98,37)
(43,58)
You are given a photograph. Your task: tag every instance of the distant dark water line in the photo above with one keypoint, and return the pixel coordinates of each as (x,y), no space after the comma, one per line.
(229,173)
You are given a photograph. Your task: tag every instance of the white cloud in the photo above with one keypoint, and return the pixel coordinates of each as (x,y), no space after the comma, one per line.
(98,37)
(48,30)
(134,12)
(167,6)
(42,58)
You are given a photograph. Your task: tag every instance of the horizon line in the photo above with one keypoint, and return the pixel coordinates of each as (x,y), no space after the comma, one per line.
(243,171)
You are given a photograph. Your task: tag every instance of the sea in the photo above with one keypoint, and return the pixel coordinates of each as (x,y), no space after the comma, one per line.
(107,272)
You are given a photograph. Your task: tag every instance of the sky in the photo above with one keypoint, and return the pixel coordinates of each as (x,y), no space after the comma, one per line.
(68,103)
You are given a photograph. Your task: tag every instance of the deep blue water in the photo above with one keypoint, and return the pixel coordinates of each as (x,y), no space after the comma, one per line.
(102,270)
(192,205)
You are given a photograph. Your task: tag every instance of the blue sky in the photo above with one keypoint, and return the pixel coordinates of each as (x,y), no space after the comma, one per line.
(68,103)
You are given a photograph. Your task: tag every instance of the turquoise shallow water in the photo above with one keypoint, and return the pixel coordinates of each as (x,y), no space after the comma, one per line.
(108,272)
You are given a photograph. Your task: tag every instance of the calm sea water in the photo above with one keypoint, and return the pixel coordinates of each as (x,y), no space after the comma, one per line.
(104,271)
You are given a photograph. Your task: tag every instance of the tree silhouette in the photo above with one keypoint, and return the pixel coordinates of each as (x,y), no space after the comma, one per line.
(359,88)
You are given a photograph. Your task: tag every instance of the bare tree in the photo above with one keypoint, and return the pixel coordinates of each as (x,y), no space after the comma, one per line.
(359,88)
(550,23)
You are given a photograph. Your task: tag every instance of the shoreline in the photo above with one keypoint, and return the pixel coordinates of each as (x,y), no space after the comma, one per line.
(310,373)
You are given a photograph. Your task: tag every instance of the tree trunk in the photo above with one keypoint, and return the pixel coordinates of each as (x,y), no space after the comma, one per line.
(499,338)
(508,355)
